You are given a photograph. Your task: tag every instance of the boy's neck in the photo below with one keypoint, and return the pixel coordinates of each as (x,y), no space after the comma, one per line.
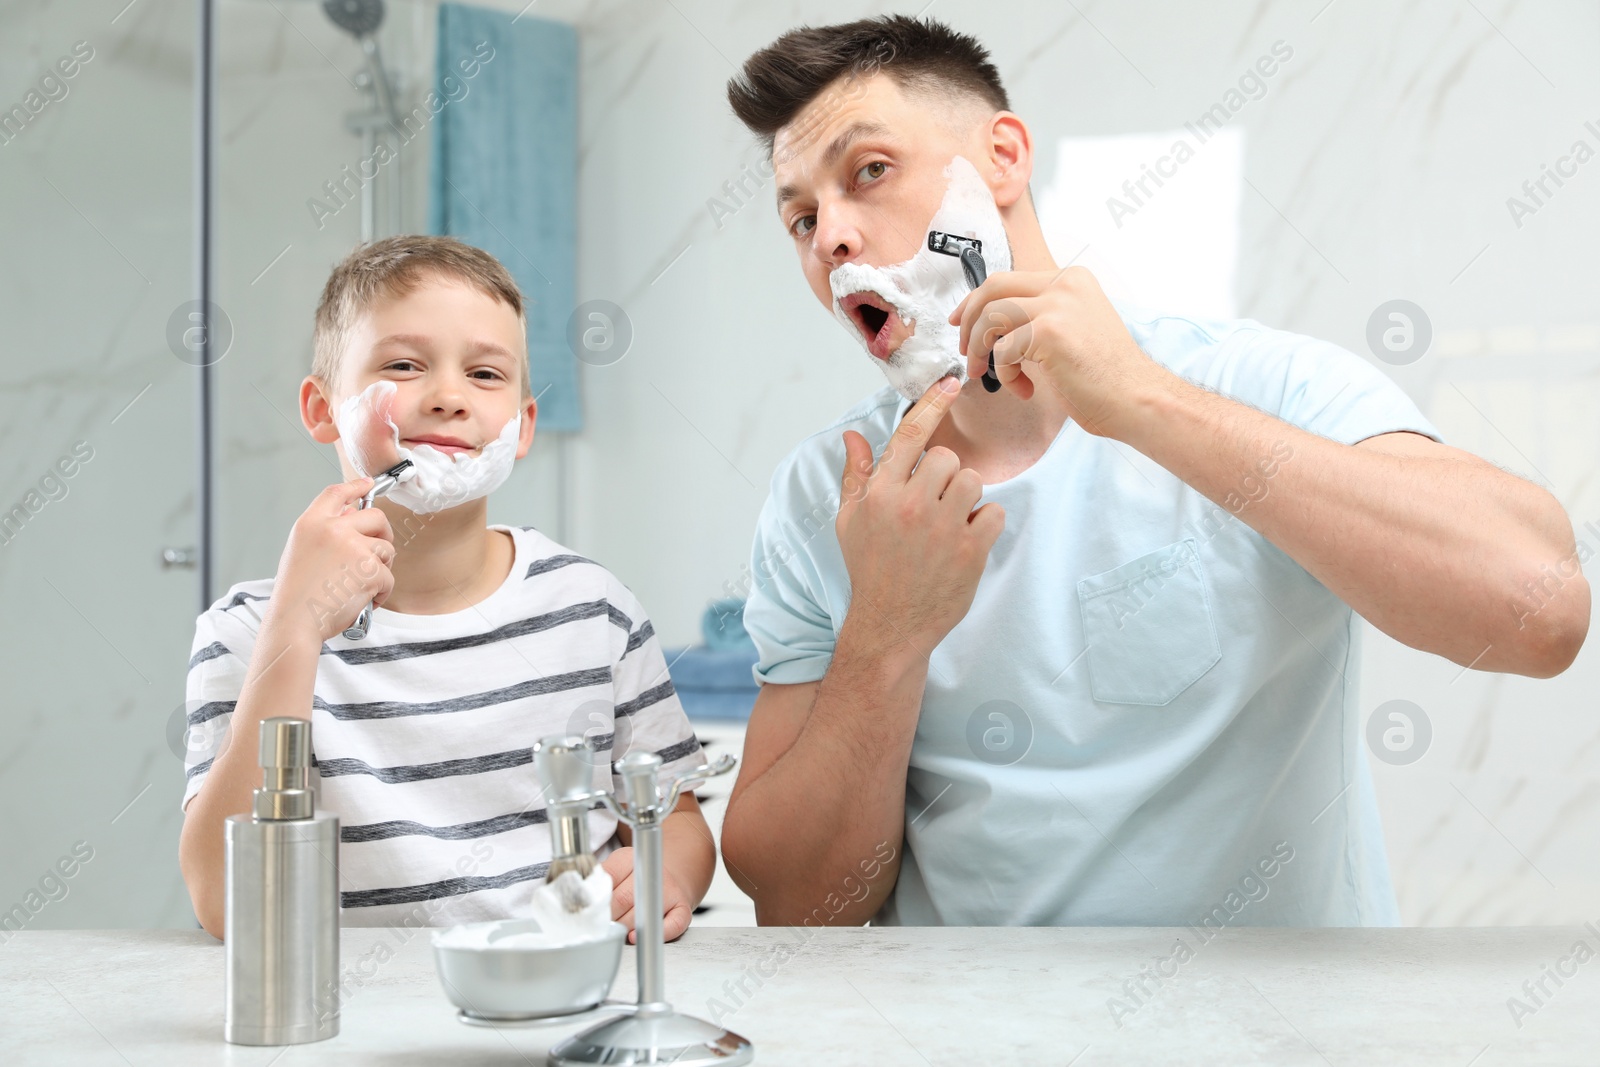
(446,561)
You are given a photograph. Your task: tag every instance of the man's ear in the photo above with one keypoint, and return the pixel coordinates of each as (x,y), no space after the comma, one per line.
(530,412)
(1011,158)
(316,410)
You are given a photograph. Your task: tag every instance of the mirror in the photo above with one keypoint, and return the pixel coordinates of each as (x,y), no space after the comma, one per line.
(1427,209)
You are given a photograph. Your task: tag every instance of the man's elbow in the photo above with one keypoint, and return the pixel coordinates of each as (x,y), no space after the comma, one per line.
(743,857)
(1549,635)
(736,857)
(1560,647)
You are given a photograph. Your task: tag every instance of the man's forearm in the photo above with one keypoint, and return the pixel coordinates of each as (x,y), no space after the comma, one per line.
(829,804)
(280,681)
(1436,551)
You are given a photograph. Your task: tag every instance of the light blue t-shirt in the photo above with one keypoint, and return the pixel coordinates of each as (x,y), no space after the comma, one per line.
(1149,714)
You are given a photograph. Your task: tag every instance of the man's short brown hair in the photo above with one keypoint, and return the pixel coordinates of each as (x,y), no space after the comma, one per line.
(777,82)
(394,267)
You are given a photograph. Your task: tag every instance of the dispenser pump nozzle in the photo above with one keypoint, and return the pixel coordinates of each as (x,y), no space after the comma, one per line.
(285,791)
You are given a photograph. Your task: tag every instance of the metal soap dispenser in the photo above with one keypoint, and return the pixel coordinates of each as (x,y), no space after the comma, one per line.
(282,912)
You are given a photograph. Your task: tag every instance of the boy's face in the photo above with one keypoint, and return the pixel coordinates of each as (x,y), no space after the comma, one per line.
(456,356)
(861,171)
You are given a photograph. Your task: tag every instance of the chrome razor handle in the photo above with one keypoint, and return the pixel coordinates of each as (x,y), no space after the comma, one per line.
(357,631)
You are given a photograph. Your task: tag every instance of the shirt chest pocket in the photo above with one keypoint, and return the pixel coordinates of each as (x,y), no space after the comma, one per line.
(1148,627)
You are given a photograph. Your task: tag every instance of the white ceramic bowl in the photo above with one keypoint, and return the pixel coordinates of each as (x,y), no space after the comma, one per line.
(507,984)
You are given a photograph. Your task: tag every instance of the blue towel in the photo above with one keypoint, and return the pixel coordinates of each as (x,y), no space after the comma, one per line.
(722,626)
(714,683)
(504,174)
(712,670)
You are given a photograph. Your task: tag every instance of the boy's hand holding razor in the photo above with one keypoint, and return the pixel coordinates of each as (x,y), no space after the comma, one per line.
(336,560)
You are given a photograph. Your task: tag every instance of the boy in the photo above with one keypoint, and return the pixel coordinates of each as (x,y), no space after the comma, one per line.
(483,639)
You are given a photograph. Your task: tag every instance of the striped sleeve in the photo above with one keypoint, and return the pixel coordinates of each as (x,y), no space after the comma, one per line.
(649,717)
(217,664)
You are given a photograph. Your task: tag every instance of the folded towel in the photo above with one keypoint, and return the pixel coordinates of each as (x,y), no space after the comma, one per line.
(708,670)
(714,683)
(722,625)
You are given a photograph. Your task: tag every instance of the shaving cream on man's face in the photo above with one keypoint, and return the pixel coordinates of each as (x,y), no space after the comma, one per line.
(921,293)
(437,480)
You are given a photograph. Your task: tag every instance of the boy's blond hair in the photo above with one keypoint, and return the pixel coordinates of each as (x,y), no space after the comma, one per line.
(394,267)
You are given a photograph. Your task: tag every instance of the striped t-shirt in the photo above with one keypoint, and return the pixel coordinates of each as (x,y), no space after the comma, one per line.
(421,733)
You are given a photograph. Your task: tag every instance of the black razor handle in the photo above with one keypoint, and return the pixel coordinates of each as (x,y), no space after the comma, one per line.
(972,266)
(969,251)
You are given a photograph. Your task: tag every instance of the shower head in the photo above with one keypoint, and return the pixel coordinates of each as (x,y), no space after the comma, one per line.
(359,18)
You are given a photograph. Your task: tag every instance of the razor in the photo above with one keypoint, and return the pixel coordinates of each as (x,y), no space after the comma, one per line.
(380,485)
(969,250)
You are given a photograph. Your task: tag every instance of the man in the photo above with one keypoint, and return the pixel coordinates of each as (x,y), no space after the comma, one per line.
(1123,689)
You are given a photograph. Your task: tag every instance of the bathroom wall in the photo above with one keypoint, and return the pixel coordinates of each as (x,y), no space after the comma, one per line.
(94,227)
(1379,160)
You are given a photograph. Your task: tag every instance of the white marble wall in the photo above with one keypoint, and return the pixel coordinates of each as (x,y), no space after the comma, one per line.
(94,256)
(1380,157)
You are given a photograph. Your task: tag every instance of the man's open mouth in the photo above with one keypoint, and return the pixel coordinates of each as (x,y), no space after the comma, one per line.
(880,325)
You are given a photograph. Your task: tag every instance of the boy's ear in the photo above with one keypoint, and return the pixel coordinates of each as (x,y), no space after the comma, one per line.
(1010,151)
(530,413)
(316,411)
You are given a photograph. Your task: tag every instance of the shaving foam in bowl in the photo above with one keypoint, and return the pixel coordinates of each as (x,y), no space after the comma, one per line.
(514,969)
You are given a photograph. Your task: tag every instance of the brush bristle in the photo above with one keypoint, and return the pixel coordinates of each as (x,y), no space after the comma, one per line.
(584,866)
(571,890)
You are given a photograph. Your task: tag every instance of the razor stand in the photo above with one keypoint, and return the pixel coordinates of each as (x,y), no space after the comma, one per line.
(653,1033)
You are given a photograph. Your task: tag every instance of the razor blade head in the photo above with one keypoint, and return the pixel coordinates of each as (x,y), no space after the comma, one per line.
(387,480)
(950,244)
(403,471)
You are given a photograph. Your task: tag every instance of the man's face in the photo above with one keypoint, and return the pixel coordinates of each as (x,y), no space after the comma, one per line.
(456,356)
(861,172)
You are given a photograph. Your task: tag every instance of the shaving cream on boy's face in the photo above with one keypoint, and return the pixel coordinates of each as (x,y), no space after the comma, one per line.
(436,480)
(922,292)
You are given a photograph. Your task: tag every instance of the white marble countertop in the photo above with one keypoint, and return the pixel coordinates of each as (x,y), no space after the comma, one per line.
(877,996)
